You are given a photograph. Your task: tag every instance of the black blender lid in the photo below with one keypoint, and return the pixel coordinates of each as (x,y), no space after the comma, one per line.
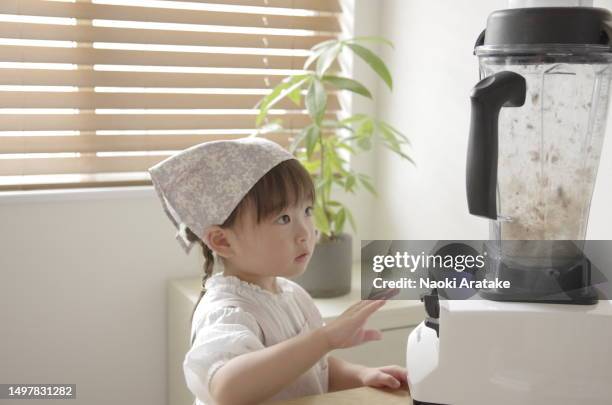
(547,25)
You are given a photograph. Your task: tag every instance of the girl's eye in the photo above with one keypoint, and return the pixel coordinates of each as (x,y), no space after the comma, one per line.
(283,219)
(309,211)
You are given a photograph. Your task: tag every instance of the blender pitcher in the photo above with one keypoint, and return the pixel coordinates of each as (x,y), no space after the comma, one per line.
(537,130)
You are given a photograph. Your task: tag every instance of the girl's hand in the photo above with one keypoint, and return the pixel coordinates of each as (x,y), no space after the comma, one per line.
(347,330)
(389,376)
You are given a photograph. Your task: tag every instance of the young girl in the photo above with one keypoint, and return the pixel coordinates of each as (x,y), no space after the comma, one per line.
(256,335)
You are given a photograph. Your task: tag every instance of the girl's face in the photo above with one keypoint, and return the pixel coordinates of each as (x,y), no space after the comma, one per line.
(280,245)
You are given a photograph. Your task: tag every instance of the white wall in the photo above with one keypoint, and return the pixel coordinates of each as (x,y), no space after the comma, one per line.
(82,293)
(435,69)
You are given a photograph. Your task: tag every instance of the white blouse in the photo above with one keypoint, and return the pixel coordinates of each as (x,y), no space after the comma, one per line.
(236,317)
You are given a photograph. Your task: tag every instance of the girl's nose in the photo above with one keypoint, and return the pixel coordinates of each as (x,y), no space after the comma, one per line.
(304,232)
(302,235)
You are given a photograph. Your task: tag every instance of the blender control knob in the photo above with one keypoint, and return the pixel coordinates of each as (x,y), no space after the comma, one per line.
(432,304)
(432,307)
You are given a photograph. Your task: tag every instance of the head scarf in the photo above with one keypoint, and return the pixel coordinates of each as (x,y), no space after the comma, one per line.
(202,185)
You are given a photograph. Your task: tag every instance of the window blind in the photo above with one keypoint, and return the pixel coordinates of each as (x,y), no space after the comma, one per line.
(92,93)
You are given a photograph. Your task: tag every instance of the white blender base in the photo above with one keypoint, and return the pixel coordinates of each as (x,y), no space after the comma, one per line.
(507,353)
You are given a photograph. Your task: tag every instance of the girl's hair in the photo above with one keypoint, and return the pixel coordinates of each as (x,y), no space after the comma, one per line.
(285,185)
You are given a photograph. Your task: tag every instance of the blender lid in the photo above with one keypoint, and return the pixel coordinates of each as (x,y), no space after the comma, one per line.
(547,26)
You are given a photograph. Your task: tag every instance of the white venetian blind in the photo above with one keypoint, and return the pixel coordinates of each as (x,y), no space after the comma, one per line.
(92,93)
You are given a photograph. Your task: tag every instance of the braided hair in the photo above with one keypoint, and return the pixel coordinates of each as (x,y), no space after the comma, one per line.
(209,264)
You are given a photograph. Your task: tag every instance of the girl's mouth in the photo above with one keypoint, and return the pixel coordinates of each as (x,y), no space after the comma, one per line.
(301,258)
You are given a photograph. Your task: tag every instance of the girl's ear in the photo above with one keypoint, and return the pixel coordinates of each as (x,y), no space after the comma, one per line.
(219,241)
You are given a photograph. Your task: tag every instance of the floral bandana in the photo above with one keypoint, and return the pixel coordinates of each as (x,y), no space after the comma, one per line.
(200,186)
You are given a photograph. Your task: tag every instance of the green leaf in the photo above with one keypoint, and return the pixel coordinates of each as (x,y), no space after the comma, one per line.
(364,133)
(363,179)
(277,94)
(264,103)
(348,148)
(388,136)
(338,180)
(316,53)
(316,99)
(344,83)
(322,183)
(325,44)
(351,219)
(312,139)
(399,152)
(295,143)
(374,61)
(391,142)
(334,160)
(327,58)
(317,50)
(296,96)
(312,166)
(339,219)
(393,130)
(364,143)
(370,39)
(327,184)
(276,90)
(321,221)
(328,170)
(349,182)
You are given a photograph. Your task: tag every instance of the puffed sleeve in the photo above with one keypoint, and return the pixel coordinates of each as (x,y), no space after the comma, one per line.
(225,333)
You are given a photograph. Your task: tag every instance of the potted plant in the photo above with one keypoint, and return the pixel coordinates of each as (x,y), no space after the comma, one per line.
(323,147)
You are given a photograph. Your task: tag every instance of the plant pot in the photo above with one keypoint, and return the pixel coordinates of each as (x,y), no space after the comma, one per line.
(328,273)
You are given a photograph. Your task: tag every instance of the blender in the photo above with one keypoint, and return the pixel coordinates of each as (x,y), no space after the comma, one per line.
(537,126)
